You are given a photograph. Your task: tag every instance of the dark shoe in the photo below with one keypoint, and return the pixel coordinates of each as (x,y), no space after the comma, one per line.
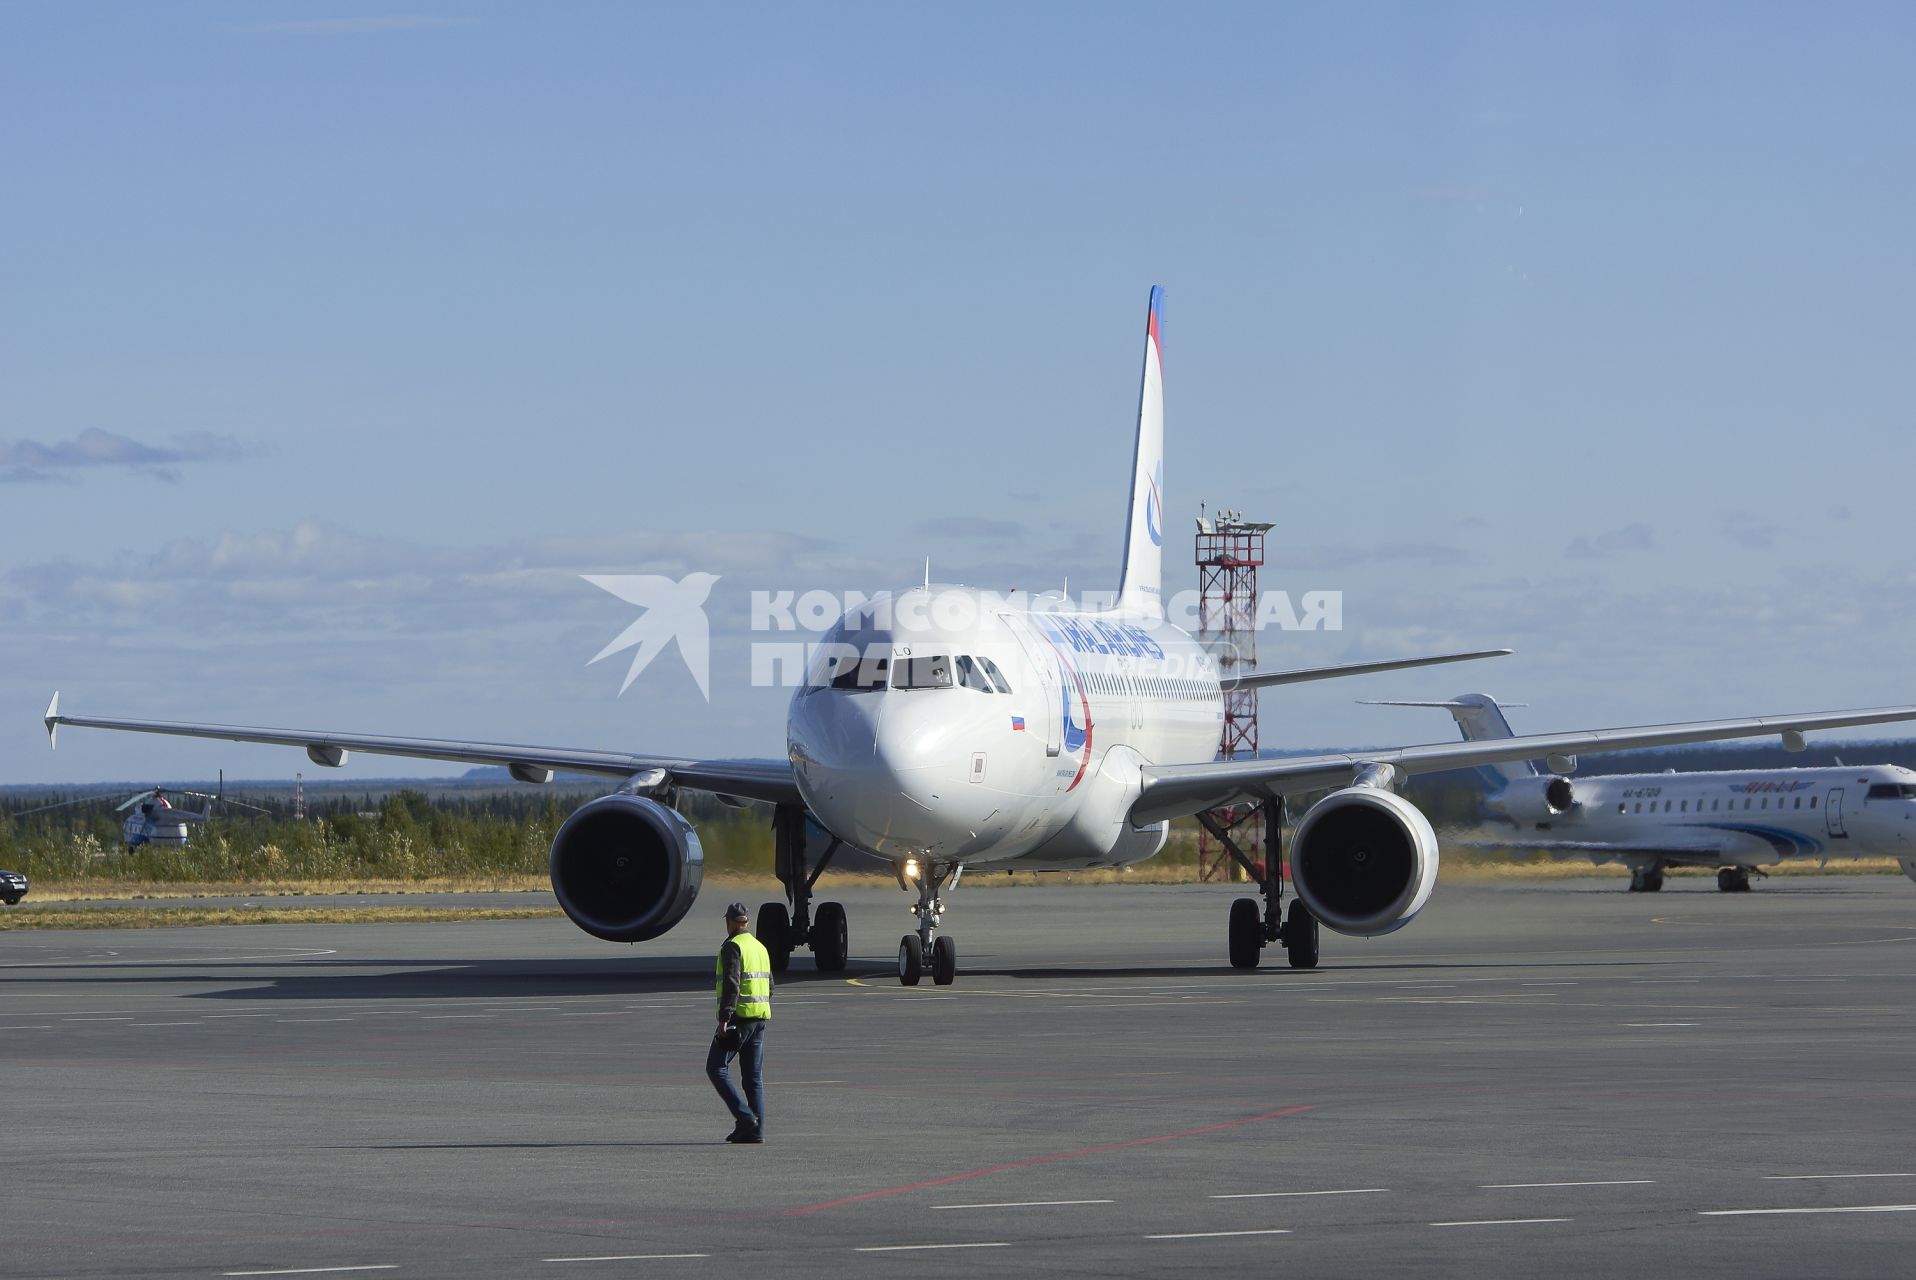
(745,1137)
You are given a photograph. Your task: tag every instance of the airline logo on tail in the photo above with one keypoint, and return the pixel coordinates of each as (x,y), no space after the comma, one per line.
(1153,503)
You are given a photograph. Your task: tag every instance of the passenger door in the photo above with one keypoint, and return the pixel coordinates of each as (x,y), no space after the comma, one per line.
(1833,814)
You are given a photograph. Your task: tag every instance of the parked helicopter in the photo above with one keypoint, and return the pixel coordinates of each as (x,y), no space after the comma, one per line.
(152,818)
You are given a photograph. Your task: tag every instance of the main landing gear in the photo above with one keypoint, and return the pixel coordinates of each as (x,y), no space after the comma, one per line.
(1734,879)
(1646,879)
(923,950)
(784,931)
(1255,925)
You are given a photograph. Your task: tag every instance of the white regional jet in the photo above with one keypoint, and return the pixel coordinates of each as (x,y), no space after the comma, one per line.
(1733,820)
(952,729)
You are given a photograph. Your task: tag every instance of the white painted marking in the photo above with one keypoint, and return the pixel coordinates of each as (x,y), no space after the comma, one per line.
(911,1248)
(30,1026)
(194,1023)
(315,1019)
(1548,984)
(291,953)
(1853,1208)
(1273,1195)
(440,1016)
(1213,1235)
(314,1271)
(1617,1182)
(1022,1204)
(115,1017)
(1810,1177)
(1498,1222)
(607,1013)
(629,1257)
(1659,1024)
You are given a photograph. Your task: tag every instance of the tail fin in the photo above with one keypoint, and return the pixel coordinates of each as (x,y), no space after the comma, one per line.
(1140,587)
(1480,719)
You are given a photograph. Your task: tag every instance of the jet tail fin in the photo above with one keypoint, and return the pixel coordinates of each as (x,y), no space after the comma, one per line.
(1480,719)
(1140,587)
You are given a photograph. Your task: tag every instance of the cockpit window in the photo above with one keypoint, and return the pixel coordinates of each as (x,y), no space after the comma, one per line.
(1891,791)
(922,673)
(972,676)
(861,674)
(997,676)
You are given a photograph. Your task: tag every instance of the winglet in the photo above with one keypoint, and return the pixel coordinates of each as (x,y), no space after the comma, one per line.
(53,722)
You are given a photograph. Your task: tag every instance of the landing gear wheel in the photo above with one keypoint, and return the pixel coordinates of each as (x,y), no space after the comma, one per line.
(1733,879)
(944,961)
(1247,933)
(831,939)
(1300,936)
(1645,881)
(911,961)
(775,932)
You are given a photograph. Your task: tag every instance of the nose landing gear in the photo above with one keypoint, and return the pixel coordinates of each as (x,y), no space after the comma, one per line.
(923,950)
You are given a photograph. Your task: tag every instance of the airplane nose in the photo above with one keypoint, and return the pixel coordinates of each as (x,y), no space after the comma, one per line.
(878,774)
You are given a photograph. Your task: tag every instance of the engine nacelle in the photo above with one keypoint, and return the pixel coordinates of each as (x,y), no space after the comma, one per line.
(626,868)
(1536,799)
(1364,861)
(1909,866)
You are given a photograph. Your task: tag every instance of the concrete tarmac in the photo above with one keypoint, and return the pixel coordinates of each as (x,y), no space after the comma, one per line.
(1557,1078)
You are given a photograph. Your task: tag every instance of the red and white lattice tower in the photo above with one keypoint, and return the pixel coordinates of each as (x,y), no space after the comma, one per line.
(1229,551)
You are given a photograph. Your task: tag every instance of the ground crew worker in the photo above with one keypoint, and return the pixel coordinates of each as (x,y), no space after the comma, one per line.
(744,1007)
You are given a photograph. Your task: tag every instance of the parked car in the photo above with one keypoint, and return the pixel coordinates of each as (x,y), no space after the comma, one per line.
(13,887)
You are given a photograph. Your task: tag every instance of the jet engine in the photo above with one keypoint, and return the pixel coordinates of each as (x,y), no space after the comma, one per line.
(626,868)
(1364,861)
(1537,799)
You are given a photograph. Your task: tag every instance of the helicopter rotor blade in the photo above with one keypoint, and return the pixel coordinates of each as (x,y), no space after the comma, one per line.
(226,800)
(63,804)
(128,804)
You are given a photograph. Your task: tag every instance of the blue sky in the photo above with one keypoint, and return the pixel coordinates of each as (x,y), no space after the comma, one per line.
(336,341)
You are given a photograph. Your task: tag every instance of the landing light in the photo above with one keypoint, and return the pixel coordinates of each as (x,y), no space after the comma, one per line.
(911,868)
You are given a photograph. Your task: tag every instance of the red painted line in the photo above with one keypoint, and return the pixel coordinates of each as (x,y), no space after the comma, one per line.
(1048,1159)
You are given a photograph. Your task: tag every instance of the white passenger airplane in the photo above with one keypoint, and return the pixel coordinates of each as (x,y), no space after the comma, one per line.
(950,728)
(1733,820)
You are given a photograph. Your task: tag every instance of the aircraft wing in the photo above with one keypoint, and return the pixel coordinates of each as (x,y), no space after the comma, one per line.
(1173,790)
(1265,679)
(749,779)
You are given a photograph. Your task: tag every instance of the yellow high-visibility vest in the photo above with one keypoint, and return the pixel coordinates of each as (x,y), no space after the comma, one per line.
(754,981)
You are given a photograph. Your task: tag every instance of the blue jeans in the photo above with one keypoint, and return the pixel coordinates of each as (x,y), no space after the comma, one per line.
(751,1066)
